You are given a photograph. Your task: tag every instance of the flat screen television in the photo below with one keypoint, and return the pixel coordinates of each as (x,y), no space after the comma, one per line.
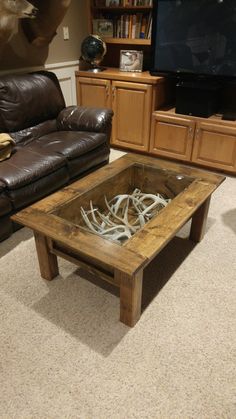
(194,38)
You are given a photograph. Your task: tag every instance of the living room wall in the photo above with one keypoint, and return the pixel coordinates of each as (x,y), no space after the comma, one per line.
(19,53)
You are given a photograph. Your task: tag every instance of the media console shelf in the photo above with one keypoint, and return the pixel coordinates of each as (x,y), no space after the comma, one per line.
(141,123)
(209,142)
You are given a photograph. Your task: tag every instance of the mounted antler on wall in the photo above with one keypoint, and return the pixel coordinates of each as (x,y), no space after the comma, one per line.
(10,12)
(42,30)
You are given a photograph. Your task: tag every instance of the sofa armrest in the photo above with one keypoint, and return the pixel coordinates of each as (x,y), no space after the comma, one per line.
(80,118)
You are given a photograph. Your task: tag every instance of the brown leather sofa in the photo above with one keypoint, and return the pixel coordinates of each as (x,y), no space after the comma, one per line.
(55,144)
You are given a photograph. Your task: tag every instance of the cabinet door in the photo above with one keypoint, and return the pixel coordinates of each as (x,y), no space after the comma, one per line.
(93,92)
(215,146)
(172,136)
(132,110)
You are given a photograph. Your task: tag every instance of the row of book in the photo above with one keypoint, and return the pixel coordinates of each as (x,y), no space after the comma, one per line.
(133,26)
(122,3)
(135,2)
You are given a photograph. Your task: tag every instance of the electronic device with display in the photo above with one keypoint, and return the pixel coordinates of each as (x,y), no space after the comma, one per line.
(195,41)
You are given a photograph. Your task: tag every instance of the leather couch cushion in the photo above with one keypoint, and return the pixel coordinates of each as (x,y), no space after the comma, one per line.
(6,228)
(70,144)
(36,190)
(2,186)
(25,136)
(27,166)
(81,118)
(5,203)
(84,164)
(18,107)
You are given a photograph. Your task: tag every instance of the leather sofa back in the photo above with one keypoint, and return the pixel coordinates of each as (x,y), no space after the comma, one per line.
(29,99)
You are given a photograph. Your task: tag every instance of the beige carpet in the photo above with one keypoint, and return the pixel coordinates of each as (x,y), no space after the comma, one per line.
(64,353)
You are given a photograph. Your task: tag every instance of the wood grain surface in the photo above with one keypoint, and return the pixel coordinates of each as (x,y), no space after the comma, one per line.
(58,228)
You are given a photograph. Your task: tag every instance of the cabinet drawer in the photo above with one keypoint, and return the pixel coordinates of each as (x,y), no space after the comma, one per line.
(215,146)
(171,136)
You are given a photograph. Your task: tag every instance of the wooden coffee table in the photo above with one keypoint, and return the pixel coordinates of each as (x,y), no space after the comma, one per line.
(56,222)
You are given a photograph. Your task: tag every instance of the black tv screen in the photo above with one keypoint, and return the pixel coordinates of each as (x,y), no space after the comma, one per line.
(194,37)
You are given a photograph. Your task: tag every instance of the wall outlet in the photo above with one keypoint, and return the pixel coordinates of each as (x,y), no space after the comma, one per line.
(66,34)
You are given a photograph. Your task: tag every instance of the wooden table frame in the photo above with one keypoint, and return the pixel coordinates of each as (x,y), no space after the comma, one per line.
(120,265)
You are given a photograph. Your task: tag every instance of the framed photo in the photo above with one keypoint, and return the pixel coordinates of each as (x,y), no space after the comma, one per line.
(131,60)
(113,3)
(103,27)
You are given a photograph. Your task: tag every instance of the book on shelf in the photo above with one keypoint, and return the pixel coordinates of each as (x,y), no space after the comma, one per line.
(141,2)
(133,26)
(143,27)
(138,24)
(148,26)
(121,31)
(122,3)
(149,30)
(110,3)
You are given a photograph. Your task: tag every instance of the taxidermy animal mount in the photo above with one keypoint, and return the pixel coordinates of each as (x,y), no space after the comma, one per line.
(42,30)
(10,12)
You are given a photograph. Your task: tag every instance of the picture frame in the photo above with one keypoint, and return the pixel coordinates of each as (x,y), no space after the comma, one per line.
(131,60)
(103,27)
(110,3)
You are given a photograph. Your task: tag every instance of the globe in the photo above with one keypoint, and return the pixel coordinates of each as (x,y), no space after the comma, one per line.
(93,49)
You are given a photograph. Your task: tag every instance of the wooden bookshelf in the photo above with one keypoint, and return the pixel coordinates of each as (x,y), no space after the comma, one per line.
(127,41)
(120,39)
(121,8)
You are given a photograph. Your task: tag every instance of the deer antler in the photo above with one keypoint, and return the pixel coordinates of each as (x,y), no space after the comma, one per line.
(115,225)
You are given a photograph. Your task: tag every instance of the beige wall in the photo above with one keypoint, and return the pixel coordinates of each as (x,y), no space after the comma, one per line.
(18,53)
(76,20)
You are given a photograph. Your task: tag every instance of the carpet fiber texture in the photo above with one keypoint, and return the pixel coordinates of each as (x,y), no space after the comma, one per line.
(64,353)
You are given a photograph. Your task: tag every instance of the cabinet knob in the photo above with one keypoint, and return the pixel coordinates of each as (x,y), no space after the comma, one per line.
(190,132)
(113,92)
(107,90)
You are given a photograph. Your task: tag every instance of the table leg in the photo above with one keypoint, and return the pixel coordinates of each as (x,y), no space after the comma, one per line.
(199,220)
(130,296)
(47,261)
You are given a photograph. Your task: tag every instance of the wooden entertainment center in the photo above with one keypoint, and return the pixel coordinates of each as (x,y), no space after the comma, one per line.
(143,121)
(209,142)
(133,98)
